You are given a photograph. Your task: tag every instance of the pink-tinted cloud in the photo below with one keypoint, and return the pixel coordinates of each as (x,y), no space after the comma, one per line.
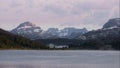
(58,13)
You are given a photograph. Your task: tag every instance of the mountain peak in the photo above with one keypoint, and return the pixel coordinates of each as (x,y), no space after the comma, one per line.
(27,29)
(27,24)
(31,31)
(112,23)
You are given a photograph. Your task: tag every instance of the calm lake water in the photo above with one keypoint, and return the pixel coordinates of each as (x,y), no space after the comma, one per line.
(59,59)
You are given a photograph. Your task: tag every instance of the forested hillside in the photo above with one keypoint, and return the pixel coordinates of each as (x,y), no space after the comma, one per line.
(11,41)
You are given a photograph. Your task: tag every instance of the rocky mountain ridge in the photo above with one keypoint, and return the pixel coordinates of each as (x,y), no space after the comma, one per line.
(31,31)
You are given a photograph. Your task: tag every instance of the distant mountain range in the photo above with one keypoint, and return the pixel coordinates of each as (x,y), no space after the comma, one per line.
(29,36)
(31,31)
(106,38)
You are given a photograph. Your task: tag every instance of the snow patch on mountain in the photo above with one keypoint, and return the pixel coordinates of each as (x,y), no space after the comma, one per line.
(112,23)
(29,30)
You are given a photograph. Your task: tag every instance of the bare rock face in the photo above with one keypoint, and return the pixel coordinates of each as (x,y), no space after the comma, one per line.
(28,29)
(112,28)
(112,23)
(31,31)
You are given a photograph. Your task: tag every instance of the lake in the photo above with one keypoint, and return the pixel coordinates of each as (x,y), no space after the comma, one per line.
(59,59)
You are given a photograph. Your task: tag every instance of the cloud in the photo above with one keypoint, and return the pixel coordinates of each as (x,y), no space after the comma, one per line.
(54,9)
(58,13)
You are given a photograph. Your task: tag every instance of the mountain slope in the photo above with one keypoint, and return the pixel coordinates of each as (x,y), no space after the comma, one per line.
(10,41)
(108,37)
(112,27)
(69,33)
(28,30)
(31,31)
(112,23)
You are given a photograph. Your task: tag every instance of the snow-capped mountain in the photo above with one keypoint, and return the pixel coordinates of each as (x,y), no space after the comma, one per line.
(71,32)
(28,29)
(111,28)
(51,33)
(112,23)
(31,31)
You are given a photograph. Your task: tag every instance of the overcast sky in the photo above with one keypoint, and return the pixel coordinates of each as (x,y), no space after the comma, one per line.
(91,14)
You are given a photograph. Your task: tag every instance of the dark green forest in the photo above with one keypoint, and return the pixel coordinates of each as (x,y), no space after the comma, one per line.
(103,43)
(10,41)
